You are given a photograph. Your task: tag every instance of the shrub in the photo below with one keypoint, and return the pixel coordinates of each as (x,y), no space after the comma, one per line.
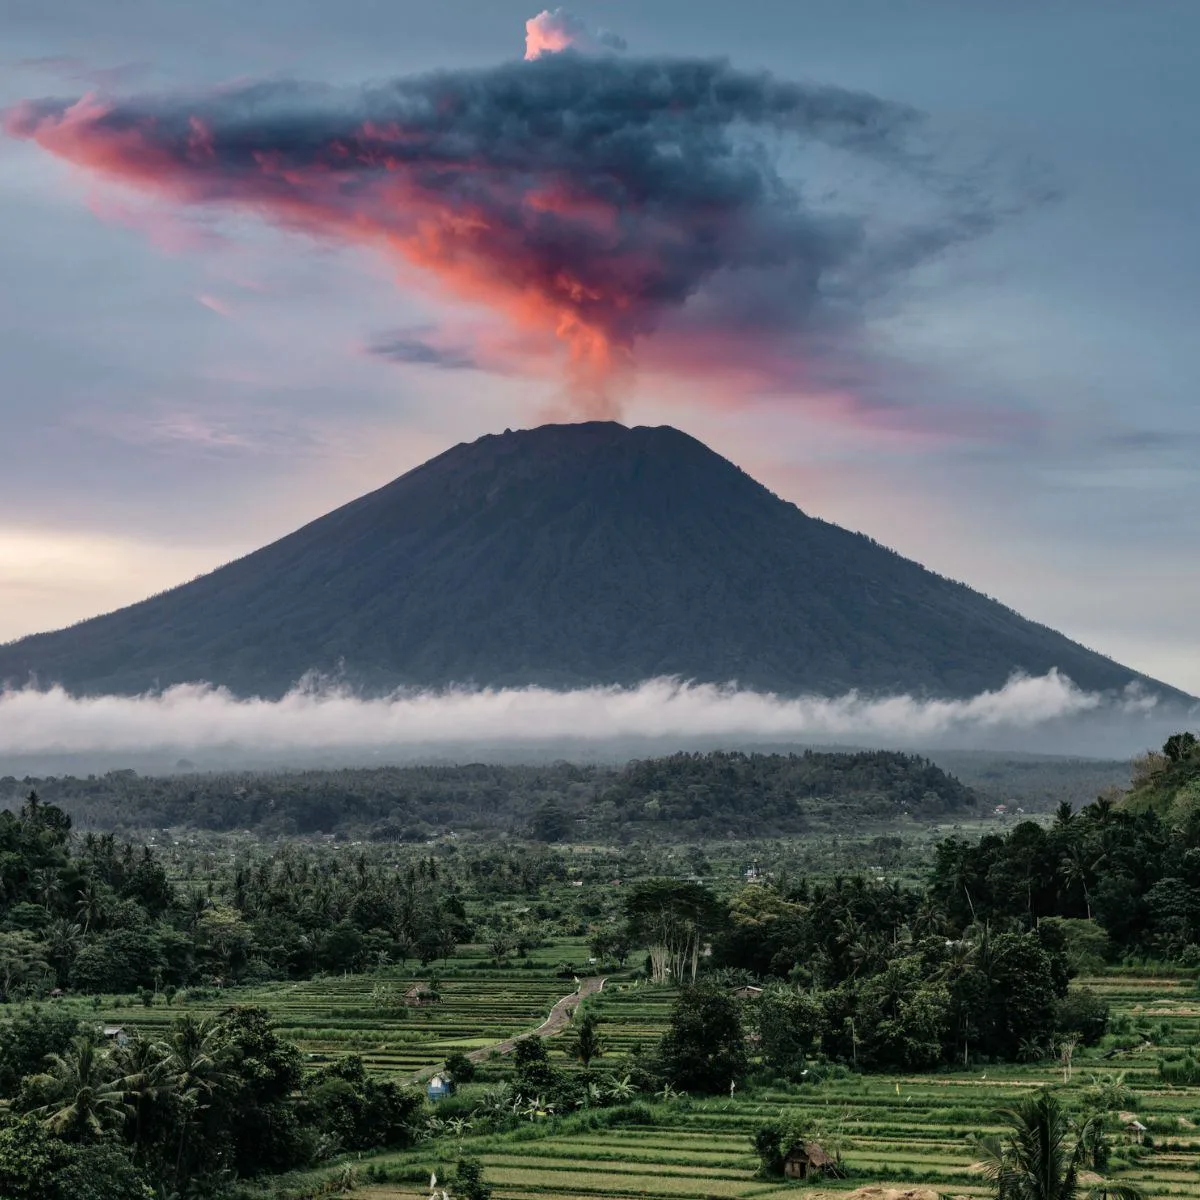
(460,1068)
(469,1183)
(1083,1012)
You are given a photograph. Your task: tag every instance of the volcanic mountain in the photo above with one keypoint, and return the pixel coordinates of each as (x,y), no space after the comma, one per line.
(566,555)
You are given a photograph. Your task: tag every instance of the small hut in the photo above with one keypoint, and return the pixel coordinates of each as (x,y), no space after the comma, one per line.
(56,994)
(1136,1131)
(438,1088)
(749,992)
(806,1159)
(419,995)
(115,1034)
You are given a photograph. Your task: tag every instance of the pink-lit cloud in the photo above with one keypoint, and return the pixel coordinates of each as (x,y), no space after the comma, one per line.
(589,201)
(214,304)
(555,30)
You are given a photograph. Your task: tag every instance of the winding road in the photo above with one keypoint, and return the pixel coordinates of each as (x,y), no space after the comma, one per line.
(556,1022)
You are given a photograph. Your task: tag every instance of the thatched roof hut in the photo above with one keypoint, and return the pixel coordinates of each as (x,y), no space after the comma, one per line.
(807,1158)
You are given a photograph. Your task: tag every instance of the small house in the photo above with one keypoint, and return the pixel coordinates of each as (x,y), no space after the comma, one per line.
(806,1159)
(438,1088)
(749,992)
(115,1034)
(56,994)
(419,995)
(1136,1131)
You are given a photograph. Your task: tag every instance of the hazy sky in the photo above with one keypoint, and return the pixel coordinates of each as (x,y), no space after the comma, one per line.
(968,333)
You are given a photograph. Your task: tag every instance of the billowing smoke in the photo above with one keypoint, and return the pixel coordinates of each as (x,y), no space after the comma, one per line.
(197,718)
(584,198)
(552,31)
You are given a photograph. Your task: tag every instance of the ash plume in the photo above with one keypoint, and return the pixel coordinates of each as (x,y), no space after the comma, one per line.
(584,198)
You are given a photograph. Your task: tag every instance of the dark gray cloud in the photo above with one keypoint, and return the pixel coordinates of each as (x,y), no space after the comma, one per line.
(410,346)
(584,198)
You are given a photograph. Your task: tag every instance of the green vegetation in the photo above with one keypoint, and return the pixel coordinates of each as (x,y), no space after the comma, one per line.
(684,796)
(213,1100)
(1120,877)
(100,916)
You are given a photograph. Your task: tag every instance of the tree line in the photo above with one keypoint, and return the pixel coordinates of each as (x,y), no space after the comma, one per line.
(95,915)
(683,796)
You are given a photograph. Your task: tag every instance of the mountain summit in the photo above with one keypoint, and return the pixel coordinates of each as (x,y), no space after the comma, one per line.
(566,555)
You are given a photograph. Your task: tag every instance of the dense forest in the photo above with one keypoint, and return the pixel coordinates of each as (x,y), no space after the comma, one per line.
(1123,876)
(213,1100)
(95,915)
(683,797)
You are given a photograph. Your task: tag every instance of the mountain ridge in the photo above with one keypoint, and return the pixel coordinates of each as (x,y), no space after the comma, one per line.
(566,555)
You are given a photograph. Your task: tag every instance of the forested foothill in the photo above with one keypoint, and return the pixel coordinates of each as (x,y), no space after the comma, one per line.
(686,796)
(170,1021)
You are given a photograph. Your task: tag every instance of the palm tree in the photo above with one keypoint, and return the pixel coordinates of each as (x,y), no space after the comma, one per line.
(196,1069)
(1041,1153)
(1076,869)
(145,1079)
(90,906)
(84,1098)
(63,940)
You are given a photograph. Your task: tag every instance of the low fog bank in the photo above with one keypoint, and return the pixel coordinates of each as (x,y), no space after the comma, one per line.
(197,727)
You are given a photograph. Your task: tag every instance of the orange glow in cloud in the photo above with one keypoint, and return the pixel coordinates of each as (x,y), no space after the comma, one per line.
(460,245)
(590,201)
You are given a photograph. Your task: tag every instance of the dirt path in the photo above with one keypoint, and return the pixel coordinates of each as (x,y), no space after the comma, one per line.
(556,1022)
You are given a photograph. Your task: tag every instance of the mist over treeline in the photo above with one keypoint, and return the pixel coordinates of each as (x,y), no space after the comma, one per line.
(200,727)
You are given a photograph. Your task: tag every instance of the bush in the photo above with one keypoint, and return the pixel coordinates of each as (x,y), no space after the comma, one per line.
(460,1068)
(469,1183)
(1083,1012)
(768,1145)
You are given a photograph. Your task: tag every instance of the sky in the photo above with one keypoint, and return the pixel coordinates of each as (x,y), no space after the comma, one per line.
(924,268)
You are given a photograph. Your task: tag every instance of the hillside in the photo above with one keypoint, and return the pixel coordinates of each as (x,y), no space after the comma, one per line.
(565,555)
(1167,783)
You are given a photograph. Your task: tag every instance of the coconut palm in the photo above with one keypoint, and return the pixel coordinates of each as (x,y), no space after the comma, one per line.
(83,1094)
(145,1078)
(1041,1153)
(196,1071)
(89,908)
(63,940)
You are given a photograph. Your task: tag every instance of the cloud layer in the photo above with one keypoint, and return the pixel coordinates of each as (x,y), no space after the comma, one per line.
(199,718)
(585,199)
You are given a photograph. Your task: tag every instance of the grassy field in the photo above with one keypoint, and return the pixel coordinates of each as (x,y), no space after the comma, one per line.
(901,1131)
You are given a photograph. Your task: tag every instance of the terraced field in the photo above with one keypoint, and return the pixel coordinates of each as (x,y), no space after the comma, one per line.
(903,1131)
(480,1006)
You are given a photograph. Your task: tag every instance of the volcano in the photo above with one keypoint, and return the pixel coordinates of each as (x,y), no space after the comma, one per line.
(566,556)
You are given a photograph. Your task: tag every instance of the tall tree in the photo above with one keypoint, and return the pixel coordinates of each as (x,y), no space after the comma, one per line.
(1041,1153)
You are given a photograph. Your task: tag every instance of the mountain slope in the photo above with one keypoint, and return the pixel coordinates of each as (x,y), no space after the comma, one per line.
(565,555)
